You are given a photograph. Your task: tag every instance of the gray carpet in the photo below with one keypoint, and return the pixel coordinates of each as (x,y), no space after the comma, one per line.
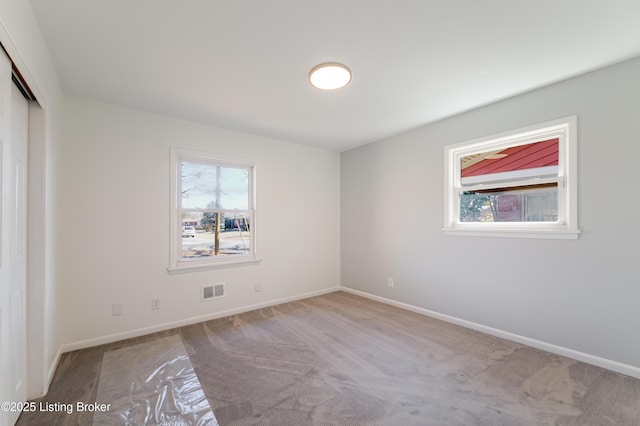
(345,360)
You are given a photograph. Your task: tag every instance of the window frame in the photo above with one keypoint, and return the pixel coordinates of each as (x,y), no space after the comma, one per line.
(177,265)
(566,227)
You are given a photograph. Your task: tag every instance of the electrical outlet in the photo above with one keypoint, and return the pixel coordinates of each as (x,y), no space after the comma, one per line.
(257,287)
(155,303)
(116,309)
(390,282)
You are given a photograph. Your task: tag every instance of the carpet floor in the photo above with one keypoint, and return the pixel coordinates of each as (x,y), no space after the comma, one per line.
(340,359)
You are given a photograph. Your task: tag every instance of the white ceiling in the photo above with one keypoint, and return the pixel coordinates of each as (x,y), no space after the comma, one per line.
(243,64)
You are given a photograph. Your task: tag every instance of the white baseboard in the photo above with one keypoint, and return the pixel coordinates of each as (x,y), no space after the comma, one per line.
(52,370)
(83,344)
(608,364)
(48,371)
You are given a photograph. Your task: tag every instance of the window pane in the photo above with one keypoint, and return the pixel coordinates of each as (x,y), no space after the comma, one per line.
(233,236)
(525,204)
(206,186)
(199,186)
(234,188)
(513,159)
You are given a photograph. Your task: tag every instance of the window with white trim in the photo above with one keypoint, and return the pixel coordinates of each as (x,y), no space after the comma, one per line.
(213,212)
(520,183)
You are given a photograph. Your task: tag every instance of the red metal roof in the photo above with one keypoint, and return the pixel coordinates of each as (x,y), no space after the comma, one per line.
(533,155)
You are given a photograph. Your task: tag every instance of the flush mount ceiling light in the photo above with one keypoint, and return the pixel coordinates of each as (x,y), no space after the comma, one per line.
(330,76)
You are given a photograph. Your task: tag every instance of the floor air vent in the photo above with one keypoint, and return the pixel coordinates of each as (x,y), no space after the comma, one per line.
(213,291)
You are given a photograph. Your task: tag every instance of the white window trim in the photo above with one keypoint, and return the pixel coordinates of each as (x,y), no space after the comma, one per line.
(565,129)
(178,266)
(496,178)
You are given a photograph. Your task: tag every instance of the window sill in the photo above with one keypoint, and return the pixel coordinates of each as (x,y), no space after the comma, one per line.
(196,267)
(555,234)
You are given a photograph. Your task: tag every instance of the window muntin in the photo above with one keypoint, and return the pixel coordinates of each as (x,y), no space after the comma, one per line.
(521,182)
(213,211)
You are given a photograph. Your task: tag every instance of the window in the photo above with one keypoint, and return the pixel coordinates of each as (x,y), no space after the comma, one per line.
(520,183)
(213,213)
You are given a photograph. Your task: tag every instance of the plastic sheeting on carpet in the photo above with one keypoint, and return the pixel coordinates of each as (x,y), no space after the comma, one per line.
(152,383)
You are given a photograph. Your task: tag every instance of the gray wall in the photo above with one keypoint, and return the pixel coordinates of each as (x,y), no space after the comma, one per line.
(578,294)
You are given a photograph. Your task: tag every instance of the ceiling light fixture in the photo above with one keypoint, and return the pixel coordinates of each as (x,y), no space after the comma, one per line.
(330,76)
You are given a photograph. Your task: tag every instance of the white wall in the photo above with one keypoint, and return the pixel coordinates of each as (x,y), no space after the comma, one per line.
(115,222)
(21,37)
(582,295)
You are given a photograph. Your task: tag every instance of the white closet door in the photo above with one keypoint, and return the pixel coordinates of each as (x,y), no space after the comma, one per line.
(14,124)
